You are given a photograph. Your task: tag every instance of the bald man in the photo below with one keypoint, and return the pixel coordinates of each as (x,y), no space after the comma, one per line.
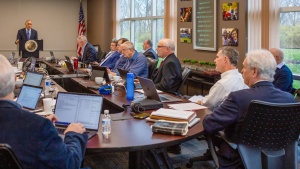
(283,78)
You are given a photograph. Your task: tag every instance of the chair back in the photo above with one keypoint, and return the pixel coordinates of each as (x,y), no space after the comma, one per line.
(267,130)
(297,95)
(8,159)
(151,66)
(185,74)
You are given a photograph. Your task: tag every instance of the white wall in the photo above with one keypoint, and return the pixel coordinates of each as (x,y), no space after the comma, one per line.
(55,20)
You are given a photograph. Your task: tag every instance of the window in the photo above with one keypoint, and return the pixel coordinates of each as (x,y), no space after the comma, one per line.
(140,20)
(290,36)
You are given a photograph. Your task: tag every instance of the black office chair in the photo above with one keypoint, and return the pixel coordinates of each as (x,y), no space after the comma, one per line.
(185,74)
(151,66)
(297,95)
(8,160)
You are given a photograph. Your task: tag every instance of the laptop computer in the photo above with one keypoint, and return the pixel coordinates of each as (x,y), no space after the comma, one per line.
(150,91)
(78,108)
(29,96)
(71,69)
(99,71)
(123,74)
(33,78)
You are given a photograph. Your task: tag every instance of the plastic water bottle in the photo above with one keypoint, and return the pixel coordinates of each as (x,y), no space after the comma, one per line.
(47,85)
(11,59)
(130,86)
(106,123)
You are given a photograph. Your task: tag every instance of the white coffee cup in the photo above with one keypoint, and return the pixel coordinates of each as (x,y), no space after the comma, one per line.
(48,105)
(99,80)
(20,65)
(18,83)
(116,79)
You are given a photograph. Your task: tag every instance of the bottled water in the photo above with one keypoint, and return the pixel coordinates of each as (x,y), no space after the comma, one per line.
(47,85)
(106,123)
(11,59)
(130,86)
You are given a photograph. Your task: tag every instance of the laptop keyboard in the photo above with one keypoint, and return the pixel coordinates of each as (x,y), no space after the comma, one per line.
(61,131)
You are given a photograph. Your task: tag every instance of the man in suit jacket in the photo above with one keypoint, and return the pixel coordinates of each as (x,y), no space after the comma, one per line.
(33,138)
(112,57)
(283,78)
(89,54)
(168,76)
(26,33)
(149,52)
(259,69)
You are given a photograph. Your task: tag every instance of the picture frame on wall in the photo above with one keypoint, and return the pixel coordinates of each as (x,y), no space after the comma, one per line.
(185,35)
(229,36)
(186,14)
(230,11)
(204,25)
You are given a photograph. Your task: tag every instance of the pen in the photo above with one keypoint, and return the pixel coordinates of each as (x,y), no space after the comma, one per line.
(62,123)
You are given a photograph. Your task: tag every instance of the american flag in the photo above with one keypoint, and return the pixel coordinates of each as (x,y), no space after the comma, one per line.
(81,28)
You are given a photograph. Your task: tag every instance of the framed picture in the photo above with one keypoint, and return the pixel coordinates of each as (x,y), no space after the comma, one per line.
(229,36)
(230,11)
(185,35)
(204,25)
(186,14)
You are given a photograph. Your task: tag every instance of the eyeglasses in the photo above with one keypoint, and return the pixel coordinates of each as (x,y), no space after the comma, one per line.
(161,46)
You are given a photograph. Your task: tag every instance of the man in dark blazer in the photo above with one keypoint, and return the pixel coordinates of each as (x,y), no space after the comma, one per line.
(112,56)
(26,33)
(89,54)
(168,76)
(149,52)
(33,138)
(283,78)
(259,69)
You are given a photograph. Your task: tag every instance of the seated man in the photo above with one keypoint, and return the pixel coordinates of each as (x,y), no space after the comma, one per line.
(231,80)
(122,60)
(33,138)
(283,78)
(168,76)
(112,57)
(89,54)
(136,63)
(258,72)
(149,52)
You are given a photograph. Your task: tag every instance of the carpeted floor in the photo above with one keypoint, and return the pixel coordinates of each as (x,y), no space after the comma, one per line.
(189,149)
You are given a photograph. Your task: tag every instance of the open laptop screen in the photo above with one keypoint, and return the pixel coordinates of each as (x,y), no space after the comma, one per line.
(29,96)
(33,78)
(78,107)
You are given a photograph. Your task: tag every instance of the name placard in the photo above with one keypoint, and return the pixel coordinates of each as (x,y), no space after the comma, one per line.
(204,23)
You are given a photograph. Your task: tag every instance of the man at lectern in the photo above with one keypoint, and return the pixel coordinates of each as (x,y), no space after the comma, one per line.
(26,33)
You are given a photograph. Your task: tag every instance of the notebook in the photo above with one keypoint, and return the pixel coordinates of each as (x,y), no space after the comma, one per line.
(29,96)
(123,74)
(99,71)
(151,92)
(78,108)
(33,78)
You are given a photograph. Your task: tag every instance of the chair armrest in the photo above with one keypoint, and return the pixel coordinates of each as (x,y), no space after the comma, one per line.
(229,142)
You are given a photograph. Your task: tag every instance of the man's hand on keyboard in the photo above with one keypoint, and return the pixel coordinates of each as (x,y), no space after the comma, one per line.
(52,118)
(75,127)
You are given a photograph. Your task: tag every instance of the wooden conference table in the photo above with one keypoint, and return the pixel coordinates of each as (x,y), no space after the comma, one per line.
(128,134)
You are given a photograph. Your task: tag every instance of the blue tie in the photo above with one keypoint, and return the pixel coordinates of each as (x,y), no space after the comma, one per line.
(28,37)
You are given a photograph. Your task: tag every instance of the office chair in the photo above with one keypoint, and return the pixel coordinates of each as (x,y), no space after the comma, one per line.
(8,159)
(268,136)
(185,74)
(151,66)
(297,95)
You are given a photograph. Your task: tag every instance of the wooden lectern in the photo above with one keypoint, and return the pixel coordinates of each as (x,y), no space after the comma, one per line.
(30,48)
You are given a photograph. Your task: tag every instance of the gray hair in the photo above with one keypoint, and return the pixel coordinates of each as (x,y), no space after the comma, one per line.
(7,77)
(264,62)
(149,42)
(128,45)
(231,53)
(82,38)
(169,43)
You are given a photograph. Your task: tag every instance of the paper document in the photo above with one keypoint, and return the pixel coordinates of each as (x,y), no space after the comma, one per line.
(173,113)
(186,106)
(196,98)
(142,91)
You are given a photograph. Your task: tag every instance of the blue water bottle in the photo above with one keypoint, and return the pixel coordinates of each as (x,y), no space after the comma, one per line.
(130,86)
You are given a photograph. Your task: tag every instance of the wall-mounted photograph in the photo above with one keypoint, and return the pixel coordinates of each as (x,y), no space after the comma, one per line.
(185,35)
(230,11)
(229,36)
(186,14)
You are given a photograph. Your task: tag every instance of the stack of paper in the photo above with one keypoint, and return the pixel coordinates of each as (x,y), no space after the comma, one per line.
(186,106)
(173,128)
(173,115)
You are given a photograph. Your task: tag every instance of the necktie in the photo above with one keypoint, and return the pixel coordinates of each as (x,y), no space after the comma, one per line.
(28,37)
(106,57)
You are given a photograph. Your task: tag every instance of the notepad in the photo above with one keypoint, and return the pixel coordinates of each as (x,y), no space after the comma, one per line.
(186,106)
